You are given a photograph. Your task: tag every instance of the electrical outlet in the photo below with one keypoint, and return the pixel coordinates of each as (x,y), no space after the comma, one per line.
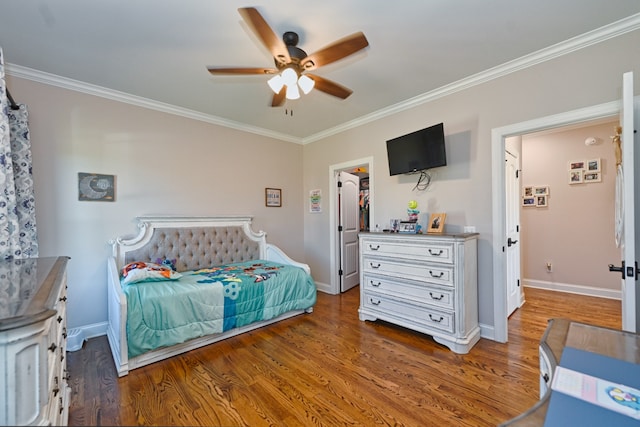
(549,267)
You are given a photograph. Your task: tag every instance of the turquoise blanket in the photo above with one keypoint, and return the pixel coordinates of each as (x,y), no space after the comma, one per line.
(210,301)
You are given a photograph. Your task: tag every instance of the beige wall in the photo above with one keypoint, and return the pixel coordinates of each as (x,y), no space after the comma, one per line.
(163,164)
(462,189)
(575,232)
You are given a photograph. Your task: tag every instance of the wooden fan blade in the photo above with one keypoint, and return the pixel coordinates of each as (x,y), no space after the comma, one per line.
(335,51)
(330,87)
(259,26)
(241,70)
(279,98)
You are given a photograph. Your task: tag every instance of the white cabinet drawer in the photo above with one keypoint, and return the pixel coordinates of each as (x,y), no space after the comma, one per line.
(440,297)
(423,315)
(435,252)
(430,273)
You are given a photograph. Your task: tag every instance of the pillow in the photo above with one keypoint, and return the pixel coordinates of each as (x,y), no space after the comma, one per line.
(139,271)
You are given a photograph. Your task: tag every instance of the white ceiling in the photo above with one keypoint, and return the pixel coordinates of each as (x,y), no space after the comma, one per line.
(155,53)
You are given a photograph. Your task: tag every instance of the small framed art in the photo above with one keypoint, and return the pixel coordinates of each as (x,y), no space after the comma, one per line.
(576,176)
(528,201)
(273,197)
(541,201)
(436,223)
(96,187)
(541,191)
(592,177)
(527,192)
(577,165)
(593,165)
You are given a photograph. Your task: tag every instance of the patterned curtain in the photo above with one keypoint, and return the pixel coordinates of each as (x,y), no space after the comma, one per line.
(18,234)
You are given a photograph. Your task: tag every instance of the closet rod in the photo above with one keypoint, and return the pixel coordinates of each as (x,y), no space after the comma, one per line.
(14,106)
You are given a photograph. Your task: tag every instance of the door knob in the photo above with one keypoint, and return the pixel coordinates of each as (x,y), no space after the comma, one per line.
(618,269)
(511,242)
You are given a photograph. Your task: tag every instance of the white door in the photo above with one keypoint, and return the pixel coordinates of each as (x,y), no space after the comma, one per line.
(348,228)
(512,246)
(630,229)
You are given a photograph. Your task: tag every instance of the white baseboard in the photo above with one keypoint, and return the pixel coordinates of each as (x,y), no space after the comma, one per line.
(488,332)
(573,289)
(77,336)
(324,287)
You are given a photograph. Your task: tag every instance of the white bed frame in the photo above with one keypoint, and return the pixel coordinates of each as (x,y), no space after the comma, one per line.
(116,330)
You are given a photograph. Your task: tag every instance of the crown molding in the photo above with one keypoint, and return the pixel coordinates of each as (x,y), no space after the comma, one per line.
(114,95)
(618,28)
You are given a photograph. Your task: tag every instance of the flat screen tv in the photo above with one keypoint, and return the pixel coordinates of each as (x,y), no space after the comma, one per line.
(417,151)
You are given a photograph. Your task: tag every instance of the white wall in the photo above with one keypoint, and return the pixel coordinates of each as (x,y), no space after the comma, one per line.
(163,164)
(575,230)
(462,189)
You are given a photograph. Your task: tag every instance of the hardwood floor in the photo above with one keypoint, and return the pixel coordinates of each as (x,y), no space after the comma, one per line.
(327,369)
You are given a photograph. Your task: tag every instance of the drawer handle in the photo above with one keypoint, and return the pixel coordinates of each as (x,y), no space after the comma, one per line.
(374,302)
(433,319)
(371,247)
(436,276)
(436,298)
(64,333)
(375,285)
(435,253)
(377,266)
(55,391)
(63,299)
(545,377)
(59,319)
(53,347)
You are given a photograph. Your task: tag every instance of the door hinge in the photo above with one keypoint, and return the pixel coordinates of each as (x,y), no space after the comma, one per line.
(517,173)
(339,272)
(518,282)
(518,228)
(339,184)
(339,228)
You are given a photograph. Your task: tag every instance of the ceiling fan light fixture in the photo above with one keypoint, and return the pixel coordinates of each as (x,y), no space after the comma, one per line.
(306,83)
(292,92)
(276,83)
(289,77)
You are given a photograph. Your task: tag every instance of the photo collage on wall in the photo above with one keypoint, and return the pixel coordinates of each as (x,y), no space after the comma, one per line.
(585,171)
(537,196)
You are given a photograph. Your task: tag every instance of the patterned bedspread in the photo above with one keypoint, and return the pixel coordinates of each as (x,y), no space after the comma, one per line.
(209,301)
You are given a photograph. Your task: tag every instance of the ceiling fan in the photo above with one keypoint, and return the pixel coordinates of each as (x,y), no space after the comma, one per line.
(292,63)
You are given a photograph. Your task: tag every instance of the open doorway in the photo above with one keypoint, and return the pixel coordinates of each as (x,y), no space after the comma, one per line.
(499,136)
(364,170)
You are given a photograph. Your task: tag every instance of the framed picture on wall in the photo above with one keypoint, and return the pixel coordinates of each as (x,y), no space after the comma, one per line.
(528,201)
(592,176)
(593,165)
(541,191)
(273,197)
(576,176)
(541,201)
(577,164)
(527,192)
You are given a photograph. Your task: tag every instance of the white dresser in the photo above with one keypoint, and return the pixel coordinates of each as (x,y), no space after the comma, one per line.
(33,335)
(425,282)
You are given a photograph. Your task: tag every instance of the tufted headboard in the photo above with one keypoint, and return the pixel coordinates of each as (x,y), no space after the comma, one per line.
(194,242)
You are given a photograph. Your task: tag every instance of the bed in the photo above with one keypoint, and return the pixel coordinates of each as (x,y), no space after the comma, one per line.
(185,282)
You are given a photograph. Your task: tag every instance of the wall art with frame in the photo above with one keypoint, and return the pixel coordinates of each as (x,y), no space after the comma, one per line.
(273,197)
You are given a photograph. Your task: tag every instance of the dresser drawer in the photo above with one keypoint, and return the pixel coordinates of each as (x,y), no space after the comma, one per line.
(429,273)
(431,318)
(440,297)
(435,252)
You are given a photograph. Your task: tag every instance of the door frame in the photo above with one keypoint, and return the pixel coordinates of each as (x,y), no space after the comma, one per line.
(334,285)
(498,136)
